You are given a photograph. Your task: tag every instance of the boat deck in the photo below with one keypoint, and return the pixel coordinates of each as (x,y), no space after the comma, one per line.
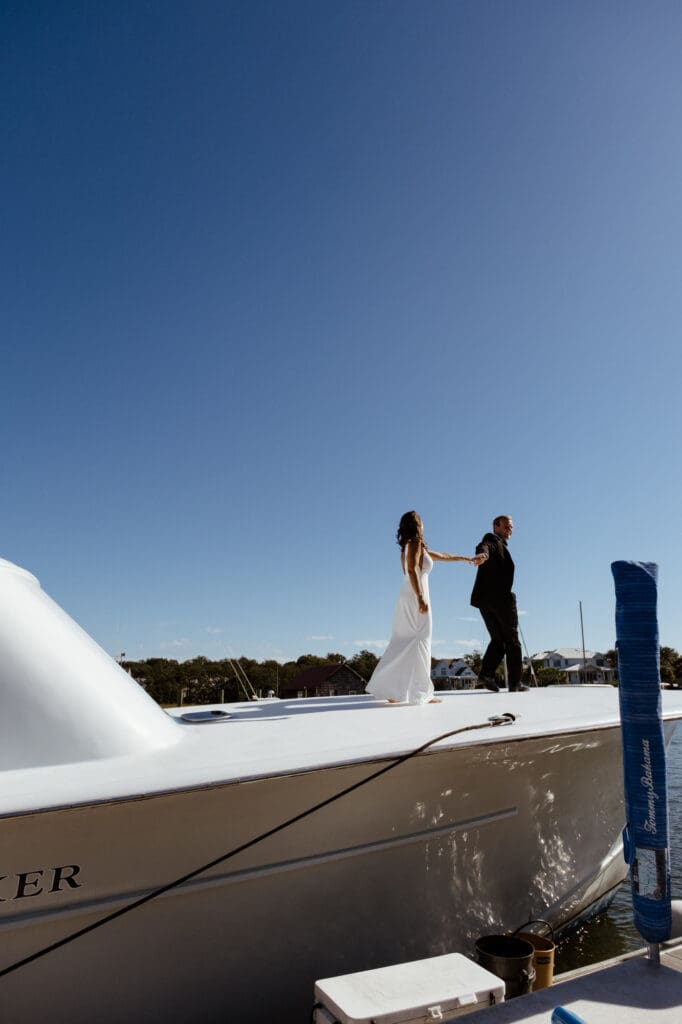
(280,737)
(627,990)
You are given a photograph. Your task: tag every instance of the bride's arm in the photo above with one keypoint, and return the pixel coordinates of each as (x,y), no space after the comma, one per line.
(412,553)
(443,556)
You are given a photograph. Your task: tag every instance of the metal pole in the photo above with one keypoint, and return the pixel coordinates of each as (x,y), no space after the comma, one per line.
(582,633)
(530,663)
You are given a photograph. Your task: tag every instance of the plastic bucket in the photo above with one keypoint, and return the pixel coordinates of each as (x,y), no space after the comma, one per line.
(543,958)
(511,959)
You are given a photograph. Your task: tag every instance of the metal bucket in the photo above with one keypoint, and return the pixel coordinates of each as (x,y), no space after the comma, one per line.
(511,959)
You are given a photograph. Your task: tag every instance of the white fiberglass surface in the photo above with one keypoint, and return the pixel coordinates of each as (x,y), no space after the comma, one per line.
(284,737)
(63,698)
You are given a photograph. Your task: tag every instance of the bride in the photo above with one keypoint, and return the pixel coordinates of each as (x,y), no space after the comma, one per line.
(404,673)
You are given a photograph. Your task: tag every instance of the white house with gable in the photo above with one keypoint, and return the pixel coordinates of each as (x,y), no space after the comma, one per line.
(453,674)
(593,669)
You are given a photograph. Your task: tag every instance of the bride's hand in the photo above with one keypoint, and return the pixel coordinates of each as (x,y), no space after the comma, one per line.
(477,559)
(423,606)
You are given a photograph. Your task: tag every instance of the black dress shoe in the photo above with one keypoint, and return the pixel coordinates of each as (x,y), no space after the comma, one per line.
(518,689)
(489,683)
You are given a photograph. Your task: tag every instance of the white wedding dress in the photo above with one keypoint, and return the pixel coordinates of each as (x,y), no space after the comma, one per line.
(404,672)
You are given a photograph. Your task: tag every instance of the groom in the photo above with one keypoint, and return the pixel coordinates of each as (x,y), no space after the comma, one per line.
(496,601)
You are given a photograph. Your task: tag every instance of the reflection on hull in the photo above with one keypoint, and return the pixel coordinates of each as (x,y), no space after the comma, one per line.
(422,861)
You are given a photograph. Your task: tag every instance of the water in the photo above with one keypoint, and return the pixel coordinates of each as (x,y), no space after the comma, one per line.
(613,932)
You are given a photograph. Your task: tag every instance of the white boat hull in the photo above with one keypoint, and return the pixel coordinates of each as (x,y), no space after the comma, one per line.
(446,847)
(105,798)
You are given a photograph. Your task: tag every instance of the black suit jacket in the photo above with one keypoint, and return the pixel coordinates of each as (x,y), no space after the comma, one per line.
(494,578)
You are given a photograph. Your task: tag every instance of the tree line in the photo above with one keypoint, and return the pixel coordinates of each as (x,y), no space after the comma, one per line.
(202,681)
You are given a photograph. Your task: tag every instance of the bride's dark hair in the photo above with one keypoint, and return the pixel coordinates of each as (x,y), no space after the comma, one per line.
(408,529)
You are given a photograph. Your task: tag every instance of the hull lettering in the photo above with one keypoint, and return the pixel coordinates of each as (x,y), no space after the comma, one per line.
(24,884)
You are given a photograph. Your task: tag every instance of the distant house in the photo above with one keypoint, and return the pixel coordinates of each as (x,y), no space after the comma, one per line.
(570,661)
(325,681)
(453,674)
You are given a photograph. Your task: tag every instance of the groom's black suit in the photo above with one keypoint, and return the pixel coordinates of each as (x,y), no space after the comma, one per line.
(494,598)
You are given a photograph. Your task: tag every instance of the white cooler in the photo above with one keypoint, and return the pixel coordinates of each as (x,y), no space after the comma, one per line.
(419,992)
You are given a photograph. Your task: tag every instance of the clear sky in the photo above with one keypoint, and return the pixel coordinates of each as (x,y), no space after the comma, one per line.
(275,272)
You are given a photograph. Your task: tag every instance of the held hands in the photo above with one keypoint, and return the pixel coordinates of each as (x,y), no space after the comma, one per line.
(443,556)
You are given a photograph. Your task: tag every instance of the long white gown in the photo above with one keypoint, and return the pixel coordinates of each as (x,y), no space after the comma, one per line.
(404,672)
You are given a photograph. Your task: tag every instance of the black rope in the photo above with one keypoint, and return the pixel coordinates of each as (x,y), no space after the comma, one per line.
(505,719)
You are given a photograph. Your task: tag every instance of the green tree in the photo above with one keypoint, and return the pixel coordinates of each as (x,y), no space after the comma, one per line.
(611,659)
(550,676)
(334,658)
(229,685)
(162,678)
(677,666)
(364,663)
(670,660)
(266,677)
(310,661)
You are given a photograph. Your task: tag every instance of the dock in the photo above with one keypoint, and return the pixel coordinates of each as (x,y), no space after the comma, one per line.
(629,989)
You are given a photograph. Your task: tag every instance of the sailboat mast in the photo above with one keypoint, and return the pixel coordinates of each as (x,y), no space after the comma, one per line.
(582,633)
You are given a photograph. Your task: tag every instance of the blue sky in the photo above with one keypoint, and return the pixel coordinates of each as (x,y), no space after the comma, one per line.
(274,273)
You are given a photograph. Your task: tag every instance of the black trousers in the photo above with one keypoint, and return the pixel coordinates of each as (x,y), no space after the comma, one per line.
(502,622)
